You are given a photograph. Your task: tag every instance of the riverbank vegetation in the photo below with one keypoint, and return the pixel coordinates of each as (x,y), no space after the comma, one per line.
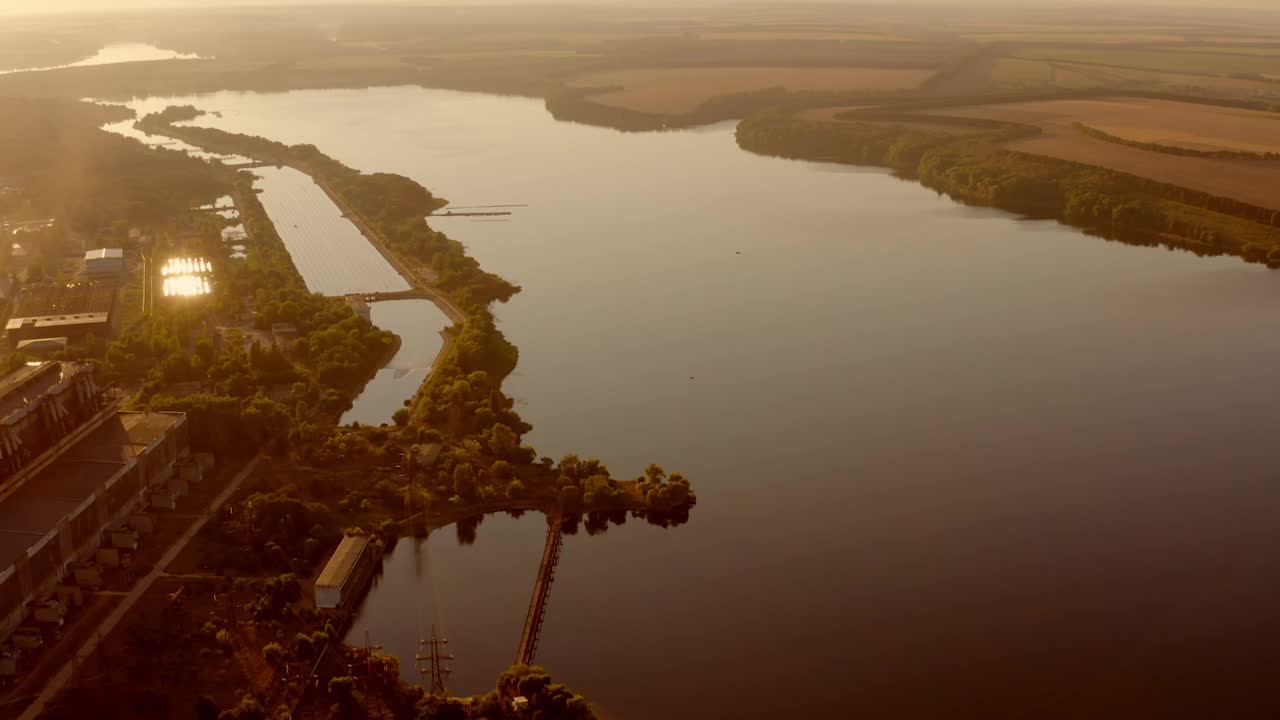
(396,205)
(977,170)
(216,358)
(461,405)
(455,453)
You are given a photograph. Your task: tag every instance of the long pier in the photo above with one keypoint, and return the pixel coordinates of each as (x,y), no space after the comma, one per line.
(475,210)
(414,294)
(528,648)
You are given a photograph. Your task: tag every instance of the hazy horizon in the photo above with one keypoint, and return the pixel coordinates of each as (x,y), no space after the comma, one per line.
(44,7)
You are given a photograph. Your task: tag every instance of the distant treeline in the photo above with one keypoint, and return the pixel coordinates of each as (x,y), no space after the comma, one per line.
(974,170)
(88,178)
(578,105)
(1045,94)
(1174,149)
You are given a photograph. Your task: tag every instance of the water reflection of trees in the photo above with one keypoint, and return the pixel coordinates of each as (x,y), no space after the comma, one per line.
(593,523)
(467,527)
(597,523)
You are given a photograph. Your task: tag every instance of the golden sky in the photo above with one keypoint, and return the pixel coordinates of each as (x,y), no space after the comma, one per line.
(62,6)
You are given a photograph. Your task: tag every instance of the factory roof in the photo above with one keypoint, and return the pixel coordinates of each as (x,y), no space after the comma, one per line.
(58,320)
(26,384)
(43,345)
(52,299)
(42,502)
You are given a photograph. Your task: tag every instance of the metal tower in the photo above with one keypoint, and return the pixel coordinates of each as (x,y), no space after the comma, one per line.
(433,662)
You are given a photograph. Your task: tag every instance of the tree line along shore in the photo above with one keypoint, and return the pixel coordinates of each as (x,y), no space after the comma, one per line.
(976,167)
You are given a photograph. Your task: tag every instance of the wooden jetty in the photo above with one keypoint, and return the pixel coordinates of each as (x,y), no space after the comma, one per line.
(470,214)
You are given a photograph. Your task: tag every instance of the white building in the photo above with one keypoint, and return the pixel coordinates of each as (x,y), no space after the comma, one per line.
(345,574)
(104,262)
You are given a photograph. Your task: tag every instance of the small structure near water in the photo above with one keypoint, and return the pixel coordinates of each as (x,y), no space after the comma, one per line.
(348,571)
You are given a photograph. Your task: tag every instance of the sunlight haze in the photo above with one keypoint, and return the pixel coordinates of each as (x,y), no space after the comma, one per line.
(98,6)
(890,359)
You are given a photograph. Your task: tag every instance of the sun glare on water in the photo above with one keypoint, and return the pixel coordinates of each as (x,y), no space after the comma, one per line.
(186,277)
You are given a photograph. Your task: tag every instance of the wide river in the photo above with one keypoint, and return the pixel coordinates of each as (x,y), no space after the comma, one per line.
(950,463)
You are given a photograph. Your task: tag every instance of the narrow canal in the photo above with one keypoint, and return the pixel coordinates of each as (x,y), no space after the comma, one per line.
(414,322)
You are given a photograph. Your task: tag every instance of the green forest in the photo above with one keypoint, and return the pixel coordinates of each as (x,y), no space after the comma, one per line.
(250,393)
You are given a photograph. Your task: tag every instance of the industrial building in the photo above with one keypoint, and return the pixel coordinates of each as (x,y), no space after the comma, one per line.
(41,347)
(104,262)
(68,312)
(78,473)
(345,575)
(40,406)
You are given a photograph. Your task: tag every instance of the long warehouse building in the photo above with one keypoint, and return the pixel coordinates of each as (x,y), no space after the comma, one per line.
(345,575)
(56,506)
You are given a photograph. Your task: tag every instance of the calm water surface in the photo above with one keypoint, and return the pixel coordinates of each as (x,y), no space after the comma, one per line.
(117,53)
(331,254)
(949,463)
(413,321)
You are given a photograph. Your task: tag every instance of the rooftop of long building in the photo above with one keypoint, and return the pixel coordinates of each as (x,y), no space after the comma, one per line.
(52,299)
(29,382)
(56,491)
(19,379)
(344,559)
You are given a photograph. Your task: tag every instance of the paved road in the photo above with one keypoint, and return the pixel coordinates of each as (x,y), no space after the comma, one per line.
(60,679)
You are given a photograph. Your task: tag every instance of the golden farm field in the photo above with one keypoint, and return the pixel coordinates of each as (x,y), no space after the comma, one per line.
(1156,121)
(1161,60)
(1092,38)
(922,123)
(1217,85)
(1009,72)
(682,90)
(1163,122)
